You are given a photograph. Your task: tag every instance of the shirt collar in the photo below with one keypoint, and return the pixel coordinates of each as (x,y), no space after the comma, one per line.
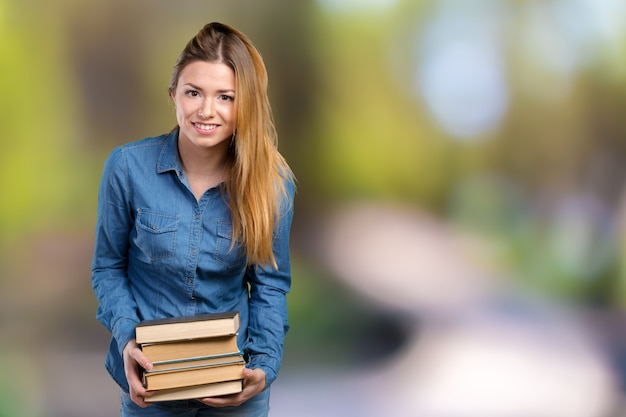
(169,160)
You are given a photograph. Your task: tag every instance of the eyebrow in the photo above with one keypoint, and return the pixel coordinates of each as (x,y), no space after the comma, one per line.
(195,87)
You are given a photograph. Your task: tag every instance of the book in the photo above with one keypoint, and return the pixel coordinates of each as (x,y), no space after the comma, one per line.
(208,374)
(187,349)
(192,357)
(197,391)
(186,364)
(183,328)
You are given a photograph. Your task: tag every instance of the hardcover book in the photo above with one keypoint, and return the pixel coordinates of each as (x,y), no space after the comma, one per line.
(192,357)
(197,391)
(186,349)
(184,328)
(208,374)
(199,362)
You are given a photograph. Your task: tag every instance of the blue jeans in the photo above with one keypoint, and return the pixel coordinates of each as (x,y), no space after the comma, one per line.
(257,406)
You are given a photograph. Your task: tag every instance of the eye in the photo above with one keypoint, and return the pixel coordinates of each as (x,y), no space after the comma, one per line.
(192,93)
(226,97)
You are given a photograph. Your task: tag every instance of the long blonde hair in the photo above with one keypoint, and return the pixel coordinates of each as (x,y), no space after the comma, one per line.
(255,188)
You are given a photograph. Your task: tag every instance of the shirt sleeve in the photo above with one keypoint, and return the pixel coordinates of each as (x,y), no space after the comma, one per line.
(268,299)
(117,309)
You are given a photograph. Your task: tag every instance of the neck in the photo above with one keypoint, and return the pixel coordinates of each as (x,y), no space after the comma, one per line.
(205,163)
(204,170)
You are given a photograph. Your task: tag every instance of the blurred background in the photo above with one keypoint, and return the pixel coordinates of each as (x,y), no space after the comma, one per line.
(458,244)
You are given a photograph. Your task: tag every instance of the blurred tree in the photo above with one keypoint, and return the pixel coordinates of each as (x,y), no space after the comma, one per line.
(38,168)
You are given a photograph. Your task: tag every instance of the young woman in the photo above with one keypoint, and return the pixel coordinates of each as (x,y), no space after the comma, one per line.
(197,221)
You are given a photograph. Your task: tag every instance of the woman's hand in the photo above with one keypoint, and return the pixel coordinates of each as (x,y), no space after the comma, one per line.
(253,383)
(134,360)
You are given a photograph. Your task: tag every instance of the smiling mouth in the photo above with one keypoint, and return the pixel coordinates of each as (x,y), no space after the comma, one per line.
(206,128)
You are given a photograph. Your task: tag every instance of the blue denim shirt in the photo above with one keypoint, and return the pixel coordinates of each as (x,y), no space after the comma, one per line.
(159,252)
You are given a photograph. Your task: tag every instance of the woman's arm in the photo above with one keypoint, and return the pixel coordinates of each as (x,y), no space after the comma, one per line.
(117,309)
(267,324)
(268,299)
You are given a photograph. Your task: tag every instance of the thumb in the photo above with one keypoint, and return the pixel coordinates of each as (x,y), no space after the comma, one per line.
(253,375)
(141,359)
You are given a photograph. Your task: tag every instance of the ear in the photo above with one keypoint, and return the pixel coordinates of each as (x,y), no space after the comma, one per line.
(173,97)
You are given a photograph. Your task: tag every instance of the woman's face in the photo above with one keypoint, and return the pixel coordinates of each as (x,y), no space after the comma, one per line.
(205,104)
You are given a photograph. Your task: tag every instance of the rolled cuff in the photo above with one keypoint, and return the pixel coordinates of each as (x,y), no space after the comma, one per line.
(124,332)
(268,364)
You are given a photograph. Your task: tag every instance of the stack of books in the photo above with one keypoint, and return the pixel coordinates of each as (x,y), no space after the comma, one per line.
(192,357)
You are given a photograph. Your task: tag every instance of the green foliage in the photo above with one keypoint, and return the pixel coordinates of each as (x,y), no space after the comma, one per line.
(43,170)
(330,327)
(566,251)
(17,392)
(370,138)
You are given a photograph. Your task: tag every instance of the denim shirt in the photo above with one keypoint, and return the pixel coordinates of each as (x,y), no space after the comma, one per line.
(159,252)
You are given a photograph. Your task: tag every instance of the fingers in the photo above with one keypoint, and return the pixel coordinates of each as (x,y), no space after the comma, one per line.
(253,383)
(141,359)
(133,351)
(138,393)
(136,386)
(254,378)
(133,360)
(139,399)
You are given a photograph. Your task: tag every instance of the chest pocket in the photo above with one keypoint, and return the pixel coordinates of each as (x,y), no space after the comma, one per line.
(224,254)
(156,233)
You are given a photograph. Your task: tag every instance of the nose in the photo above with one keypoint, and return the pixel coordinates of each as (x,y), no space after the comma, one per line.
(206,109)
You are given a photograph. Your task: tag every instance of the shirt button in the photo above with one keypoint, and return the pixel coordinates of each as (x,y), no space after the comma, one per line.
(155,227)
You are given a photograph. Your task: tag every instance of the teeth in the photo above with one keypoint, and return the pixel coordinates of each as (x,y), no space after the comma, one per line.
(205,127)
